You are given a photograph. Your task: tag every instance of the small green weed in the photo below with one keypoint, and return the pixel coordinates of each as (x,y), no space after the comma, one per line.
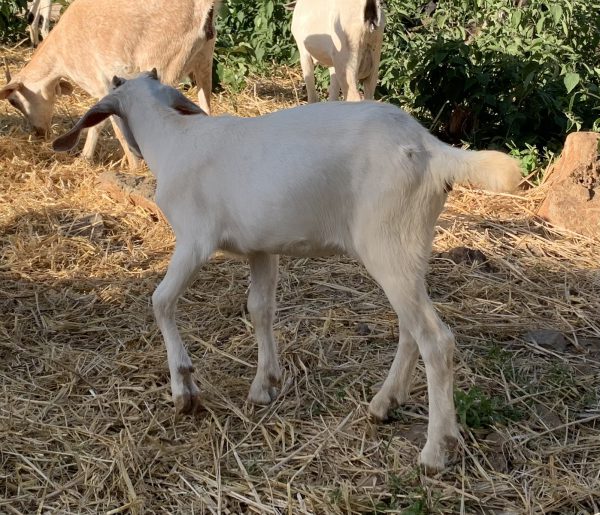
(533,161)
(477,410)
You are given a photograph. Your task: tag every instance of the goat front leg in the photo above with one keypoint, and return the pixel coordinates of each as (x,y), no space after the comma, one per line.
(180,273)
(261,305)
(91,141)
(133,161)
(370,83)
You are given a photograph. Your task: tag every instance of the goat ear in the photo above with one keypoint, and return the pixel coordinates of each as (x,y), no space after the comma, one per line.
(117,81)
(97,113)
(153,74)
(64,87)
(10,88)
(184,106)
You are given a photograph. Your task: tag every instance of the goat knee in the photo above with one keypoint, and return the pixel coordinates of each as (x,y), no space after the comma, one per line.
(163,308)
(439,349)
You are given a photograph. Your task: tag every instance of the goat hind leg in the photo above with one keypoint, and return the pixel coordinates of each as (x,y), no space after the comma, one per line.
(334,85)
(395,388)
(261,305)
(436,345)
(308,71)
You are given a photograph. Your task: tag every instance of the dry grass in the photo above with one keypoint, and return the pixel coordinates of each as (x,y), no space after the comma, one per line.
(86,420)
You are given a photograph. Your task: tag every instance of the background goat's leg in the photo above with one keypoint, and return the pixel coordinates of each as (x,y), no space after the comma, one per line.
(308,71)
(202,70)
(334,85)
(346,67)
(133,161)
(261,305)
(91,140)
(180,273)
(370,83)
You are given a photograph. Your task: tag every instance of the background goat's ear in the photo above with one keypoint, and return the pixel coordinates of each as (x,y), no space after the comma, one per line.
(97,113)
(153,74)
(184,106)
(9,88)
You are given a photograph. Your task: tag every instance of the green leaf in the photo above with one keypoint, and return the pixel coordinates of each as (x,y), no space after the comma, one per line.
(571,80)
(556,11)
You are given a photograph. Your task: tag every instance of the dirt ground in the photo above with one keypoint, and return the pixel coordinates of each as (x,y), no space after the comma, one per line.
(86,420)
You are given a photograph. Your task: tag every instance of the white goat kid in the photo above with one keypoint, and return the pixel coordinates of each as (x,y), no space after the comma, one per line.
(285,187)
(94,40)
(345,36)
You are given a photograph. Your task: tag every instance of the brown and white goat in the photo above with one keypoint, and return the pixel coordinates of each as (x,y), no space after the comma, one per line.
(95,40)
(344,35)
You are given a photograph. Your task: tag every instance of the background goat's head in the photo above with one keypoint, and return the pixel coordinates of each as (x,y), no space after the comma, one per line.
(35,99)
(145,88)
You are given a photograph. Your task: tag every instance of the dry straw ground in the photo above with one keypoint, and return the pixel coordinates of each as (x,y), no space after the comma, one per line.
(86,420)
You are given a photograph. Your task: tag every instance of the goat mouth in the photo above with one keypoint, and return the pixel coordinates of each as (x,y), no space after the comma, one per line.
(39,132)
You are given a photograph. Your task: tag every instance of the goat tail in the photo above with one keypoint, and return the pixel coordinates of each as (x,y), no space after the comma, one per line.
(486,169)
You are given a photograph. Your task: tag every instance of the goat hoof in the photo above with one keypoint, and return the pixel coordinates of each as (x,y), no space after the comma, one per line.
(264,388)
(433,458)
(188,404)
(263,396)
(187,399)
(380,407)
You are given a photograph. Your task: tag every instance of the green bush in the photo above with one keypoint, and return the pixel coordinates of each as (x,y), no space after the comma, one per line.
(12,19)
(251,37)
(490,72)
(484,71)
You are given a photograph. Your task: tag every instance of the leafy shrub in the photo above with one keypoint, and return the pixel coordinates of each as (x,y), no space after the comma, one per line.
(486,71)
(252,36)
(12,19)
(491,72)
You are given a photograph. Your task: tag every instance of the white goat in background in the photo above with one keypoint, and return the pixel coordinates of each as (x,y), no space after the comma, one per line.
(94,40)
(39,15)
(344,35)
(362,179)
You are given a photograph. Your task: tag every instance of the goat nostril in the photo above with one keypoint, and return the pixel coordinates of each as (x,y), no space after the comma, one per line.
(39,132)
